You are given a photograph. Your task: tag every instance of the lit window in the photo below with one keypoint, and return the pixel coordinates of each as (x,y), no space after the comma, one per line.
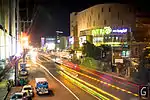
(112,38)
(116,38)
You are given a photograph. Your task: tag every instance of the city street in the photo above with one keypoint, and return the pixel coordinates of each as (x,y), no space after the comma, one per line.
(59,91)
(111,88)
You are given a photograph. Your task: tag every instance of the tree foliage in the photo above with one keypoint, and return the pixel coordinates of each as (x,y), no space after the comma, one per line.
(143,74)
(90,50)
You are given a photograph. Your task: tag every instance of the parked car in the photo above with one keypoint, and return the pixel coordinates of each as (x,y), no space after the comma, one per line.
(23,72)
(27,88)
(19,96)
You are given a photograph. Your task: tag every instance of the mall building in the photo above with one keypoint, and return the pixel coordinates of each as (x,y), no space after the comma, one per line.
(111,24)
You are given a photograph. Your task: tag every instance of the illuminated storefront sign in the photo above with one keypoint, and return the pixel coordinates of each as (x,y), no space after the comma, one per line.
(105,30)
(108,30)
(124,30)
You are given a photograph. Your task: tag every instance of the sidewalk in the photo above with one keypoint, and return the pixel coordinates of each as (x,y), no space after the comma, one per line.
(115,75)
(12,91)
(3,90)
(3,87)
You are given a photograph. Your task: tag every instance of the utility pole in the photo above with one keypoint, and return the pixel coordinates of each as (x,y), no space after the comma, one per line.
(17,31)
(130,49)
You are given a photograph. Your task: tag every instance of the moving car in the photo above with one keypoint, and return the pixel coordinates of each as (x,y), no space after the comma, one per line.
(28,88)
(41,86)
(19,96)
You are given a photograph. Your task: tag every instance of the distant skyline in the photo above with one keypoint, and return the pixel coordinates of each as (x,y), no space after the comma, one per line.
(54,15)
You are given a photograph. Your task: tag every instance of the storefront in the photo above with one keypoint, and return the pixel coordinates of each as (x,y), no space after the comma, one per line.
(107,35)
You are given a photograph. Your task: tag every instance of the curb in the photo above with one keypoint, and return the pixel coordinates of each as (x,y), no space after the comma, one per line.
(112,75)
(4,98)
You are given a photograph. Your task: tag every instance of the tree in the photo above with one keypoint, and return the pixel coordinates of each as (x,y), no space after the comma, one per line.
(90,50)
(143,73)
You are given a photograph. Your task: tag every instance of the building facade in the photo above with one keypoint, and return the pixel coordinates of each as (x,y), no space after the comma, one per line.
(7,30)
(111,24)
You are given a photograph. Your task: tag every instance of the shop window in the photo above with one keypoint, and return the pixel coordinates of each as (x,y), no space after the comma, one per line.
(117,38)
(120,39)
(112,38)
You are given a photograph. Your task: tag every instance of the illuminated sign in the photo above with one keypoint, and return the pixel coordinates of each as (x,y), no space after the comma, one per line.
(108,30)
(124,30)
(71,40)
(82,40)
(98,32)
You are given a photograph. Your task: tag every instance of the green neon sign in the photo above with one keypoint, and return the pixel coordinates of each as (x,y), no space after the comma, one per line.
(98,32)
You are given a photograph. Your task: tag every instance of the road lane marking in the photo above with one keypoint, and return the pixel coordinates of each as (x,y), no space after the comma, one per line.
(58,80)
(118,88)
(113,86)
(84,87)
(92,86)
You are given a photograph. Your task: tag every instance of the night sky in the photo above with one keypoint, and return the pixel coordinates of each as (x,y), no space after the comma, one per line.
(52,15)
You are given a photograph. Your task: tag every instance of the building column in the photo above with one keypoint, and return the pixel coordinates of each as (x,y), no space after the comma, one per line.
(128,71)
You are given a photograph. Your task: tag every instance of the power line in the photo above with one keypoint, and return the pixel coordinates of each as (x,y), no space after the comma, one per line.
(34,18)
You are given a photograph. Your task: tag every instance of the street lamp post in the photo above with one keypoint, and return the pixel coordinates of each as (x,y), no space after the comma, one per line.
(112,58)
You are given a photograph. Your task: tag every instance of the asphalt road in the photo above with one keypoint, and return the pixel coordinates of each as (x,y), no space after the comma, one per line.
(123,95)
(58,91)
(82,95)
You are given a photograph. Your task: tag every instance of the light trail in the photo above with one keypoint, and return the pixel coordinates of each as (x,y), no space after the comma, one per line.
(92,86)
(108,76)
(57,80)
(92,72)
(83,87)
(113,86)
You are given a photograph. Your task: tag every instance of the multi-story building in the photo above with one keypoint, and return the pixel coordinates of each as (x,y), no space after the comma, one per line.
(74,30)
(51,43)
(110,24)
(7,31)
